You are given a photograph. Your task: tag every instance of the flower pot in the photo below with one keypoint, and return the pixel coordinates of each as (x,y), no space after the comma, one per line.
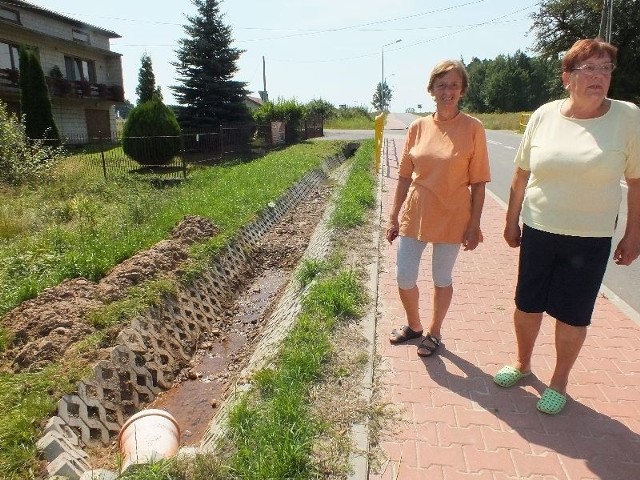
(148,436)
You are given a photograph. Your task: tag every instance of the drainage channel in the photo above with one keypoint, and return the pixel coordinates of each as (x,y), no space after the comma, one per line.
(193,400)
(210,332)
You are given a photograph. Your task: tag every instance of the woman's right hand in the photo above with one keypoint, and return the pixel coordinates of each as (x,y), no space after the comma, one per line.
(393,229)
(512,234)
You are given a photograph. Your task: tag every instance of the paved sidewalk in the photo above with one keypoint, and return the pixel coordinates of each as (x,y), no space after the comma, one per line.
(454,422)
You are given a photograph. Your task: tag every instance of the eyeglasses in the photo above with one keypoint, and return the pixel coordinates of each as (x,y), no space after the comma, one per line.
(592,69)
(444,86)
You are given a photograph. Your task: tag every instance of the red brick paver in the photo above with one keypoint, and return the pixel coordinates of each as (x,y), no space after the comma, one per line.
(454,422)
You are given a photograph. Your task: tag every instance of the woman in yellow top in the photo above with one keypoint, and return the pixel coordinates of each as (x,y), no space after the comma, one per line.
(441,183)
(566,185)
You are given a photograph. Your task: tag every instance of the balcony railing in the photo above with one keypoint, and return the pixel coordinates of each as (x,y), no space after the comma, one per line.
(61,87)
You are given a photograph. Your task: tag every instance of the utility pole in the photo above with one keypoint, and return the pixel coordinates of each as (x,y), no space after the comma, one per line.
(606,20)
(382,82)
(264,96)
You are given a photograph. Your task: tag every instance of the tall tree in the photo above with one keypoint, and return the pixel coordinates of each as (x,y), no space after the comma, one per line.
(146,89)
(206,65)
(35,103)
(559,23)
(382,97)
(511,83)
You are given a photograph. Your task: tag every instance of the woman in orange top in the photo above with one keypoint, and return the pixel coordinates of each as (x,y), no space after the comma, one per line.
(441,183)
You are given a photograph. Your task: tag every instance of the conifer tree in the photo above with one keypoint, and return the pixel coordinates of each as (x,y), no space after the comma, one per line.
(35,103)
(206,93)
(146,88)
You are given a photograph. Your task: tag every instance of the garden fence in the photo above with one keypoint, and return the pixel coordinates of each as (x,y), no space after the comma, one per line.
(104,154)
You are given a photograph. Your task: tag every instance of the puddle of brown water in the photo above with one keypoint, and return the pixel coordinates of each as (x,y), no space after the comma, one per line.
(193,402)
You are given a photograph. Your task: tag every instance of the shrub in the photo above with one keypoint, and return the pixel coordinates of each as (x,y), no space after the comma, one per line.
(151,134)
(35,103)
(21,159)
(288,111)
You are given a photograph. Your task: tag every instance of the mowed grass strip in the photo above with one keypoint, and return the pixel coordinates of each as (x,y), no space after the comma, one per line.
(272,429)
(79,226)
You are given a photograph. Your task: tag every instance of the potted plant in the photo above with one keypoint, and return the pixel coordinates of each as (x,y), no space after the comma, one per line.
(103,90)
(117,93)
(85,88)
(58,84)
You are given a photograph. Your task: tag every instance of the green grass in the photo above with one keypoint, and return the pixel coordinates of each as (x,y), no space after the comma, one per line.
(272,428)
(81,226)
(501,121)
(26,400)
(353,123)
(358,195)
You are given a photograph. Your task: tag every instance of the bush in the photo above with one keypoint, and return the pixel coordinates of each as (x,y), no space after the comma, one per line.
(288,111)
(151,134)
(22,160)
(35,103)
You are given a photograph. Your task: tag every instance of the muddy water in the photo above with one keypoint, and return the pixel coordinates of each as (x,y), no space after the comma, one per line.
(193,401)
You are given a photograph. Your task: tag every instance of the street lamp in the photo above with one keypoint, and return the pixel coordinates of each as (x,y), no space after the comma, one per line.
(382,83)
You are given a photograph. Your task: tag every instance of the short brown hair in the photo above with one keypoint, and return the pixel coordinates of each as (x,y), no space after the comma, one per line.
(588,47)
(446,66)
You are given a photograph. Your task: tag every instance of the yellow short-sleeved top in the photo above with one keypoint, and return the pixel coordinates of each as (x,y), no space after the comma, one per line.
(443,158)
(576,166)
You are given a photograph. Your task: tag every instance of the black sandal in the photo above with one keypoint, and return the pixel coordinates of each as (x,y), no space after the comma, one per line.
(428,346)
(402,334)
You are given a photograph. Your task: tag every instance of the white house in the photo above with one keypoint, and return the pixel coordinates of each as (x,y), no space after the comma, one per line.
(83,75)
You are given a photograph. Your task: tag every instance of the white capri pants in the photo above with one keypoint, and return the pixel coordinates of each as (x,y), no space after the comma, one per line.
(443,258)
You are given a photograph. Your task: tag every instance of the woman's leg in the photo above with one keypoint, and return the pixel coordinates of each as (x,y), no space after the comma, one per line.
(443,259)
(410,301)
(527,326)
(441,301)
(569,341)
(408,266)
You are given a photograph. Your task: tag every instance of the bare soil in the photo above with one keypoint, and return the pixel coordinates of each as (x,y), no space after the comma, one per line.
(45,329)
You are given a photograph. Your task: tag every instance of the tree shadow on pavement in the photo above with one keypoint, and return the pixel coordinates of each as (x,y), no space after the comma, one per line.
(609,449)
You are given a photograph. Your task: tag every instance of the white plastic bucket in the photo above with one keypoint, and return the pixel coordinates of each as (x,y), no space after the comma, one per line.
(148,436)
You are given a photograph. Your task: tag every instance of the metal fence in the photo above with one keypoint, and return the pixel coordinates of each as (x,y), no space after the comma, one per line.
(104,154)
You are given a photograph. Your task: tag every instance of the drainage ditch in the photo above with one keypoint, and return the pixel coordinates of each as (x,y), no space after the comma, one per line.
(186,355)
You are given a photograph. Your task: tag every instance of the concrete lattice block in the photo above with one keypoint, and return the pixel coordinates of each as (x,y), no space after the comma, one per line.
(57,424)
(93,397)
(69,466)
(99,474)
(53,444)
(133,339)
(75,412)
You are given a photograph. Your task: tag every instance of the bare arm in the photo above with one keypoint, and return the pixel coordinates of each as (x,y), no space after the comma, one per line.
(628,248)
(512,231)
(472,234)
(398,199)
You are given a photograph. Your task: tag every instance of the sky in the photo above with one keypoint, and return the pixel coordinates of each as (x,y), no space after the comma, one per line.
(334,50)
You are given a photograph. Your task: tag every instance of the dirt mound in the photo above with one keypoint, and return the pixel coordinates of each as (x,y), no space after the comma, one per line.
(42,329)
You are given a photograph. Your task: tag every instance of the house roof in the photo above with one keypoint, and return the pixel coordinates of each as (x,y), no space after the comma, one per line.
(58,16)
(255,100)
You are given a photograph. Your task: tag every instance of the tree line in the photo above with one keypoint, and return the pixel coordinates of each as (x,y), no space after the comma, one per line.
(518,82)
(511,83)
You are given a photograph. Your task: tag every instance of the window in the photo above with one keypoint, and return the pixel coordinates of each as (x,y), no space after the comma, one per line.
(9,58)
(80,36)
(10,15)
(79,69)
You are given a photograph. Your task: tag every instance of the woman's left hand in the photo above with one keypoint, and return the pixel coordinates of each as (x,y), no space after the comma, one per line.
(627,250)
(472,237)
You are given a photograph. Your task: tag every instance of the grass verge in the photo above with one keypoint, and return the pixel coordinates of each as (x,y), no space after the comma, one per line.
(82,226)
(276,430)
